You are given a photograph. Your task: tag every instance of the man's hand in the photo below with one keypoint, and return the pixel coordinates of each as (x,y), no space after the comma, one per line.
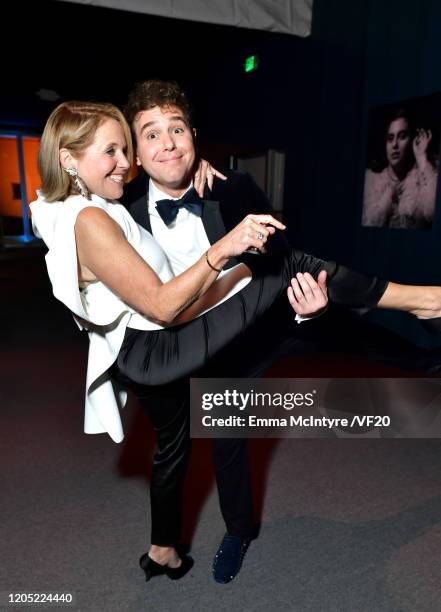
(308,297)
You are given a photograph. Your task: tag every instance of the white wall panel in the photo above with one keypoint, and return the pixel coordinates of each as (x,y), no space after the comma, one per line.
(286,16)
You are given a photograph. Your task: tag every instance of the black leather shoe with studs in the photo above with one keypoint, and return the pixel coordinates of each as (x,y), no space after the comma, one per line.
(229,557)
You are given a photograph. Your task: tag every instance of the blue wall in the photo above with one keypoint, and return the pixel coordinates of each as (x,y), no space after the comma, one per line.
(374,53)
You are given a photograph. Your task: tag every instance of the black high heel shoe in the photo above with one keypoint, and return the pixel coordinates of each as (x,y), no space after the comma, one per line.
(152,569)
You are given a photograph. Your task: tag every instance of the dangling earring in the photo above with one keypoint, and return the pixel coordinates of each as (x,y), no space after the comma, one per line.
(79,183)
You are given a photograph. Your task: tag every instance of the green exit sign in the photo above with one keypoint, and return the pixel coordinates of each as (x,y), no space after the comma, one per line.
(251,63)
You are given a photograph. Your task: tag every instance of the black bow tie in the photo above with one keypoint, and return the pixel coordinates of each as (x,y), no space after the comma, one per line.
(168,209)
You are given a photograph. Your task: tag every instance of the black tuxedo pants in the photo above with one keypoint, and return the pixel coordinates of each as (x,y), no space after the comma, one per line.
(168,407)
(163,359)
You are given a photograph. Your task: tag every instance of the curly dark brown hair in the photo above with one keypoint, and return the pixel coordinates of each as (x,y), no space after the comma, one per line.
(148,94)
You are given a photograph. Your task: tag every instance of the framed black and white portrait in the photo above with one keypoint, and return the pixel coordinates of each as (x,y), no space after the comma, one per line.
(402,164)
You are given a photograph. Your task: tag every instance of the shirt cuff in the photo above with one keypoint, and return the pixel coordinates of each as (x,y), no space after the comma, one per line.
(300,318)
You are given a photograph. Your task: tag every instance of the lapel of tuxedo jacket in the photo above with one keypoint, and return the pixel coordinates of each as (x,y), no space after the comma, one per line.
(214,226)
(212,220)
(211,216)
(139,206)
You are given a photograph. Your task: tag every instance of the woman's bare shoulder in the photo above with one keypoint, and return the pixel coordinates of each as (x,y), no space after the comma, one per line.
(93,218)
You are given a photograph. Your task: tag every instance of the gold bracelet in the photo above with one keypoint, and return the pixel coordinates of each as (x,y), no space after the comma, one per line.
(211,266)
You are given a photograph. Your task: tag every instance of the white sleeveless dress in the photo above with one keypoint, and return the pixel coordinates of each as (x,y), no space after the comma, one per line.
(96,308)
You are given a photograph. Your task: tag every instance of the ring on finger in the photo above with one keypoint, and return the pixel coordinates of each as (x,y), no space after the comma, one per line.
(210,173)
(260,236)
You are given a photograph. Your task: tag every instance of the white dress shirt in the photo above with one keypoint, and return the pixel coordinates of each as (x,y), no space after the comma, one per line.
(185,240)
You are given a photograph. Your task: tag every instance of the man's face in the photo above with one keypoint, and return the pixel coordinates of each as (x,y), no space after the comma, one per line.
(165,148)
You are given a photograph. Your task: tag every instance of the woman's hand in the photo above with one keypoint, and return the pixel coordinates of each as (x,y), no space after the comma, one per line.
(253,231)
(308,297)
(205,173)
(419,145)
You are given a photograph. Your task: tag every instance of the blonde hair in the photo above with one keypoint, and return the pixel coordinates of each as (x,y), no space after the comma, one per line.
(72,125)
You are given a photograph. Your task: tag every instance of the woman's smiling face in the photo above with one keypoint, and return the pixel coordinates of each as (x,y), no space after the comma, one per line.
(103,165)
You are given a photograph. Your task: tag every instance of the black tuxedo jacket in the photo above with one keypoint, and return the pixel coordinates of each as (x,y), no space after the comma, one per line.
(228,203)
(224,207)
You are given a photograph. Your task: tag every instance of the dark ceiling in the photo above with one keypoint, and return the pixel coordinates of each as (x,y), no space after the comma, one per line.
(85,52)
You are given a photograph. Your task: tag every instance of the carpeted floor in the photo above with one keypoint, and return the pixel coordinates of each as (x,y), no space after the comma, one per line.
(346,525)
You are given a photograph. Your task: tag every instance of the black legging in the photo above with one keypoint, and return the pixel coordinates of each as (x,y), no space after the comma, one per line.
(168,409)
(149,361)
(160,357)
